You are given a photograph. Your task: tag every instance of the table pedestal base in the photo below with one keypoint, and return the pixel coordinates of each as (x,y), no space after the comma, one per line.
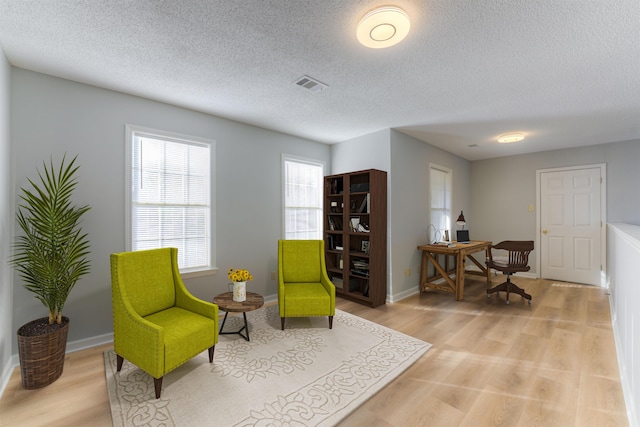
(244,328)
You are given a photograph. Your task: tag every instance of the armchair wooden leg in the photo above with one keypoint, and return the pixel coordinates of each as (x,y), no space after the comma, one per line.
(157,383)
(282,322)
(330,322)
(119,360)
(211,350)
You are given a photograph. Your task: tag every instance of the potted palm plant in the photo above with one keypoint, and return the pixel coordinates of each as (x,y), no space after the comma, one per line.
(50,256)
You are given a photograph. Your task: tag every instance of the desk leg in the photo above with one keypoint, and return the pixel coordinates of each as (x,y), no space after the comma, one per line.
(460,276)
(423,272)
(438,269)
(486,256)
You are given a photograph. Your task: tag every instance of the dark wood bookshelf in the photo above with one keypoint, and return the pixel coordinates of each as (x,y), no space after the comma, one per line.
(355,233)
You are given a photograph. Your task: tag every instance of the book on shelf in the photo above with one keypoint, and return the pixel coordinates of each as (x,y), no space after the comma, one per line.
(335,243)
(361,265)
(353,283)
(361,273)
(364,206)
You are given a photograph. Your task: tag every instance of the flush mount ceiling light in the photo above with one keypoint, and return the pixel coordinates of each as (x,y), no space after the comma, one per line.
(508,138)
(383,27)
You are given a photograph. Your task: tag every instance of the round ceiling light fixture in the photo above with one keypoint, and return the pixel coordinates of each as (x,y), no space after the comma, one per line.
(508,138)
(383,27)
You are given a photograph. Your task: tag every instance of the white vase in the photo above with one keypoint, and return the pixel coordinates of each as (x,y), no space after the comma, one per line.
(239,291)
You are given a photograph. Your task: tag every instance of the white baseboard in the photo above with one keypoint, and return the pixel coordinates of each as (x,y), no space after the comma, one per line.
(6,375)
(268,299)
(72,346)
(89,342)
(404,294)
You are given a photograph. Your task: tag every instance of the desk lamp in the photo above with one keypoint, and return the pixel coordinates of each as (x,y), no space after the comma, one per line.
(461,221)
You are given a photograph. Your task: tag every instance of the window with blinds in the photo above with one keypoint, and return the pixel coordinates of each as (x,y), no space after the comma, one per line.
(440,185)
(303,181)
(170,196)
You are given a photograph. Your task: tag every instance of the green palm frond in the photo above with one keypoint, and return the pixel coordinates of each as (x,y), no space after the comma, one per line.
(51,254)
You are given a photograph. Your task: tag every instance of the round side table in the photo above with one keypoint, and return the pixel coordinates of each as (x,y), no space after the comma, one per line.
(226,303)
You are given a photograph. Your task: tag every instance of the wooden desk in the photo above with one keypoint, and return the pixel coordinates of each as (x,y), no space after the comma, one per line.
(460,251)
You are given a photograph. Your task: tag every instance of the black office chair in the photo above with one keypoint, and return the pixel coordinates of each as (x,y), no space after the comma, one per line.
(517,261)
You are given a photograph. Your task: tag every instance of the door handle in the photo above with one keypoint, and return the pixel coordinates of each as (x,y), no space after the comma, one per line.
(544,231)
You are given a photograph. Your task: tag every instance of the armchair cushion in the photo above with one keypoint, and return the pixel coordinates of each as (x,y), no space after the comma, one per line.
(184,334)
(306,299)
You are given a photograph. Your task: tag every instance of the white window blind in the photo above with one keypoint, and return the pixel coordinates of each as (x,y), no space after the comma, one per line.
(303,183)
(170,197)
(440,178)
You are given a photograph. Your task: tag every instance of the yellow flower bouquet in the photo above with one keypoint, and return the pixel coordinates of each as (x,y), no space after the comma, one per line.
(239,275)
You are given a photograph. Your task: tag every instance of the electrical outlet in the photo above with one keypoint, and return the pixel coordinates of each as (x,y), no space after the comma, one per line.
(273,275)
(532,208)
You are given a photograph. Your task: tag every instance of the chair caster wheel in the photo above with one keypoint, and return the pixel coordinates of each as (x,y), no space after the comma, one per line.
(529,302)
(507,302)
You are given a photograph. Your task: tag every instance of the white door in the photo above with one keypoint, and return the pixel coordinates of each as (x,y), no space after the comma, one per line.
(571,225)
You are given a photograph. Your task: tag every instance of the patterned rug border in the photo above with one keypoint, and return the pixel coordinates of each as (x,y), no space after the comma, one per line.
(323,401)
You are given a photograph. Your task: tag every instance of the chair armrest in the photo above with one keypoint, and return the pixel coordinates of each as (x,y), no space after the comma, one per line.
(331,289)
(328,285)
(196,305)
(186,300)
(280,292)
(138,340)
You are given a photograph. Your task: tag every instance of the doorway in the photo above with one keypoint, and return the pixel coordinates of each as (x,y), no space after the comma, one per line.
(571,224)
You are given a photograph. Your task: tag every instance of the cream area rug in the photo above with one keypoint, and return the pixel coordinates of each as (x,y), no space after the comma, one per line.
(306,375)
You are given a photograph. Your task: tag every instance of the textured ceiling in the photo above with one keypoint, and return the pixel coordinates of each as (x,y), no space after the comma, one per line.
(564,72)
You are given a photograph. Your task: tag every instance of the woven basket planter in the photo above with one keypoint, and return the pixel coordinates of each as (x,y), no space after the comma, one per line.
(42,356)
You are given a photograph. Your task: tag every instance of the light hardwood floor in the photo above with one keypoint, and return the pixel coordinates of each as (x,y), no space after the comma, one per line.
(552,363)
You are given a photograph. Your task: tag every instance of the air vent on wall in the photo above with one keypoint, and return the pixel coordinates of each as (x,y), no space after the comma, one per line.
(310,83)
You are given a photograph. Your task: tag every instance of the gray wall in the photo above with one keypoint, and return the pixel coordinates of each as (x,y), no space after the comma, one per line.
(367,152)
(502,188)
(406,161)
(6,221)
(410,203)
(364,152)
(51,116)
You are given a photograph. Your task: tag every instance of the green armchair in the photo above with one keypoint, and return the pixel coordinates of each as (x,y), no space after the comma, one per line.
(157,324)
(304,288)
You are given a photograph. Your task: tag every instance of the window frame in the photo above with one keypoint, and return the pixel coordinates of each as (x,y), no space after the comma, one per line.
(133,130)
(308,161)
(449,183)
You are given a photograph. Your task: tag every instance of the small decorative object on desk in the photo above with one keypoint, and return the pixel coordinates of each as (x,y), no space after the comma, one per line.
(239,279)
